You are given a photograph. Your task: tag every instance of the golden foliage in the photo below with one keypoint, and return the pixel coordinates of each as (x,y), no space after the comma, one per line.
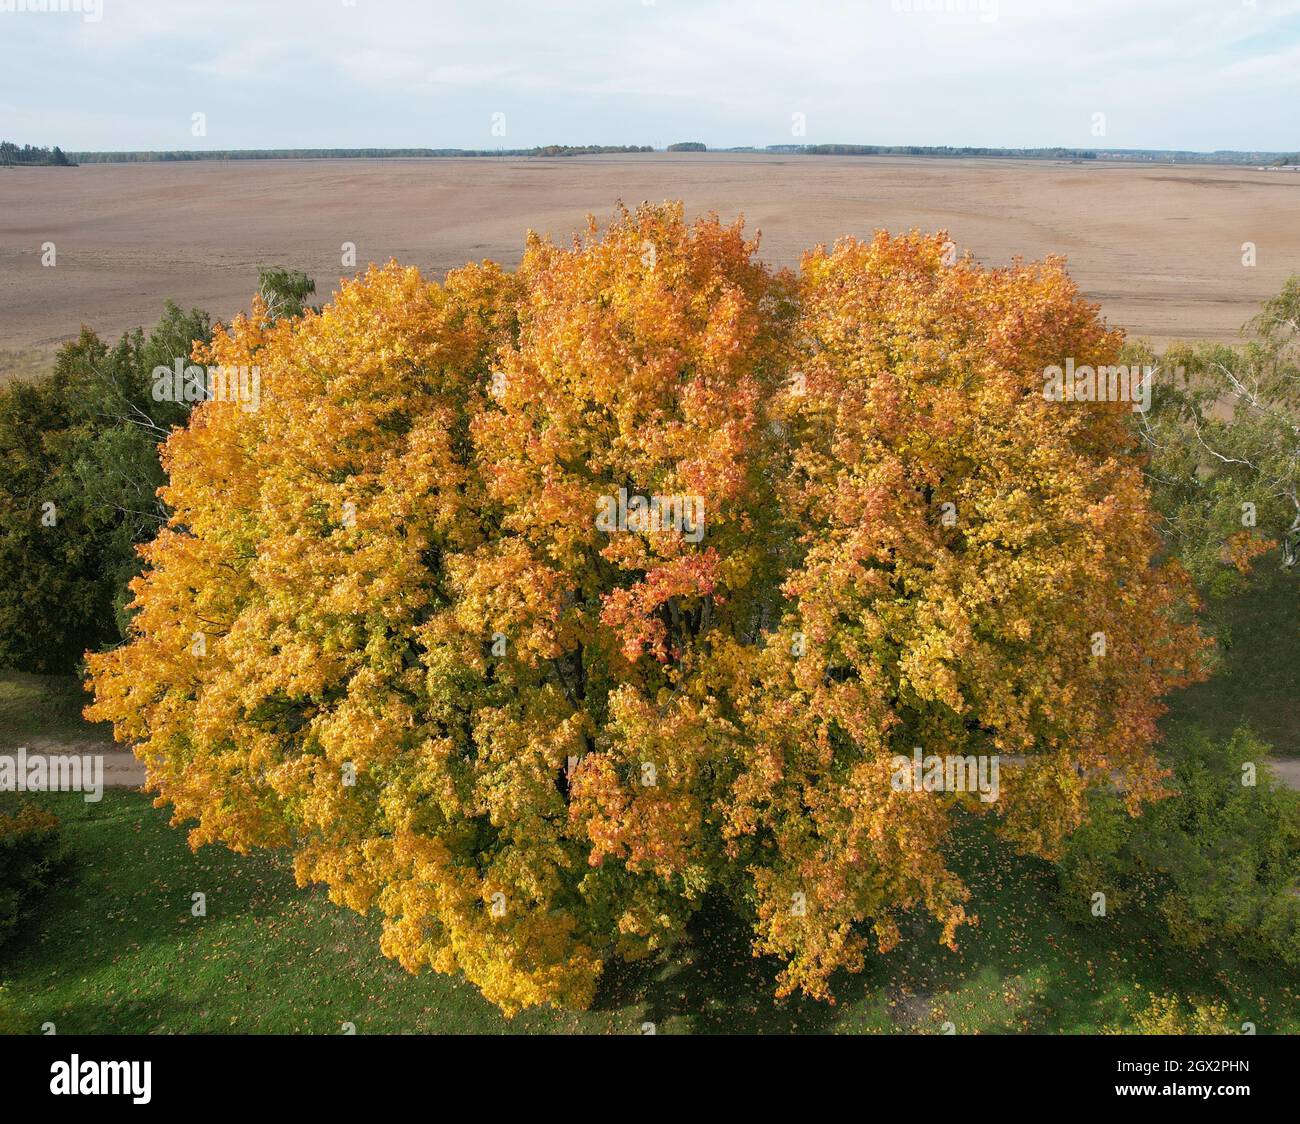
(563,738)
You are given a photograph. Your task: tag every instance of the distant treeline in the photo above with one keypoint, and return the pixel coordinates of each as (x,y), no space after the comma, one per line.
(931,150)
(1219,156)
(10,153)
(351,153)
(1142,155)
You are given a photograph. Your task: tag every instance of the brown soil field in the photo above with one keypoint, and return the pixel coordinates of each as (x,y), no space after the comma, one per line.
(1159,246)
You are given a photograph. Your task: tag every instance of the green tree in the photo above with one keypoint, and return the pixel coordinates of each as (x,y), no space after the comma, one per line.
(52,603)
(111,451)
(1224,437)
(284,291)
(1219,860)
(79,477)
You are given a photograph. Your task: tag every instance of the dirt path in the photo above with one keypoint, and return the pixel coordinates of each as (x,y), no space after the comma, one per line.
(1286,770)
(122,770)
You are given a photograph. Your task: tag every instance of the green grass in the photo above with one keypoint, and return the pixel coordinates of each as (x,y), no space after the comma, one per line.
(117,951)
(1258,682)
(47,706)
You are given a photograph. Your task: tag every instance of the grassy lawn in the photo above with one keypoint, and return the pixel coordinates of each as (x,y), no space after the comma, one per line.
(116,951)
(1258,683)
(44,706)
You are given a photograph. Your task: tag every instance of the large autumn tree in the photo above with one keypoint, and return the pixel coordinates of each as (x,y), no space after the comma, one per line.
(391,627)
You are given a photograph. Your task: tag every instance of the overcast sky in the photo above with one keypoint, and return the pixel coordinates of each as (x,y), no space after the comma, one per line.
(1193,74)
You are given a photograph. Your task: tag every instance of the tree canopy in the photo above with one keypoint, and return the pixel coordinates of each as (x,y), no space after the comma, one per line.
(436,617)
(79,475)
(1224,439)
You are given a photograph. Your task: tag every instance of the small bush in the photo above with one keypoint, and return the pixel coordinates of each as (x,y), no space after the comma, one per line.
(1166,1014)
(1218,861)
(32,860)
